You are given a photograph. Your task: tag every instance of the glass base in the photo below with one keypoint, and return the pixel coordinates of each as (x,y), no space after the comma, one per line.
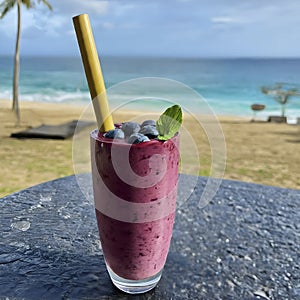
(134,286)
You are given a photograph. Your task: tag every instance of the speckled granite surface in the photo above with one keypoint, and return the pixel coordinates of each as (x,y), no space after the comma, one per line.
(245,244)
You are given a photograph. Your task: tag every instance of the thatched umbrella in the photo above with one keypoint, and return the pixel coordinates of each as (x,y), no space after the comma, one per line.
(255,108)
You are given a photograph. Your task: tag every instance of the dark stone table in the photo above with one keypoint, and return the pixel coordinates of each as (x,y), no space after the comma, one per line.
(245,244)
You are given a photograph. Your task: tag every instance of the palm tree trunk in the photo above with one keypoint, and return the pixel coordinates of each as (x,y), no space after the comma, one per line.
(282,110)
(15,106)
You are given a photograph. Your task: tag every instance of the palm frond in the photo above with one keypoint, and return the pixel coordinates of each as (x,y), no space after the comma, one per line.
(6,6)
(46,3)
(32,3)
(264,90)
(28,3)
(294,90)
(278,99)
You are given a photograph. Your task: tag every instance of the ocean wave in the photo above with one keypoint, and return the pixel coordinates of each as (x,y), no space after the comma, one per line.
(6,94)
(52,97)
(137,98)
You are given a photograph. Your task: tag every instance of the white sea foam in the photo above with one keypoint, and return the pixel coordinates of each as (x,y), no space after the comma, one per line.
(54,97)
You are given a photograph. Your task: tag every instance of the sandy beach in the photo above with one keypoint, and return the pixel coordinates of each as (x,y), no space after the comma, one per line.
(256,152)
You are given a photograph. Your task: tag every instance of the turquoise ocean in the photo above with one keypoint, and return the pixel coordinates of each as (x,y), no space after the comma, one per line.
(229,86)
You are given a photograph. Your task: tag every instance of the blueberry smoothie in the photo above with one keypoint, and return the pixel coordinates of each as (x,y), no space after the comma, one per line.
(135,186)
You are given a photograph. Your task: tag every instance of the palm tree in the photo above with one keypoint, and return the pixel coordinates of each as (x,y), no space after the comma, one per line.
(280,95)
(5,7)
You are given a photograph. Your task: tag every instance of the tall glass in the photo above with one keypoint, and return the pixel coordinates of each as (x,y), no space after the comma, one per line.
(135,188)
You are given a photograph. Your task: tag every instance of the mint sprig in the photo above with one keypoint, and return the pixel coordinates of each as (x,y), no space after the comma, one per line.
(169,122)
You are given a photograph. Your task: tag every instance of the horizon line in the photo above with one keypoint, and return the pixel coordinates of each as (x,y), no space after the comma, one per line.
(152,56)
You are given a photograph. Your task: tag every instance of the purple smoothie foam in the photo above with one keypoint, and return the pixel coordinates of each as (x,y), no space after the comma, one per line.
(135,249)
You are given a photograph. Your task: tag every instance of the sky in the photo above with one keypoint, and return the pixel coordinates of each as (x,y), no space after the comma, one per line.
(176,28)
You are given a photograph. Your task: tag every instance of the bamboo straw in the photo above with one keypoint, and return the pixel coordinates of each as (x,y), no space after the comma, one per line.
(93,72)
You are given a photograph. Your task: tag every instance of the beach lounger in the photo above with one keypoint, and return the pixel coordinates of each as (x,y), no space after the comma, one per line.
(62,131)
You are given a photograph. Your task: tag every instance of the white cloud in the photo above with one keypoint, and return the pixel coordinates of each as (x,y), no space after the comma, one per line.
(108,25)
(36,24)
(68,7)
(175,24)
(224,20)
(8,24)
(97,7)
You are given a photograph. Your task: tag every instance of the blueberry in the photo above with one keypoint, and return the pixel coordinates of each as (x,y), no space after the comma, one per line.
(115,134)
(150,131)
(148,122)
(130,127)
(137,138)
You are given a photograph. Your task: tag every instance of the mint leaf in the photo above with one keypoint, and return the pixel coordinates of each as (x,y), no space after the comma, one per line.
(169,122)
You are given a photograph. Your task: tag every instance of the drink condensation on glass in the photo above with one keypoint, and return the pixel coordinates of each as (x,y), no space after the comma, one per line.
(135,188)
